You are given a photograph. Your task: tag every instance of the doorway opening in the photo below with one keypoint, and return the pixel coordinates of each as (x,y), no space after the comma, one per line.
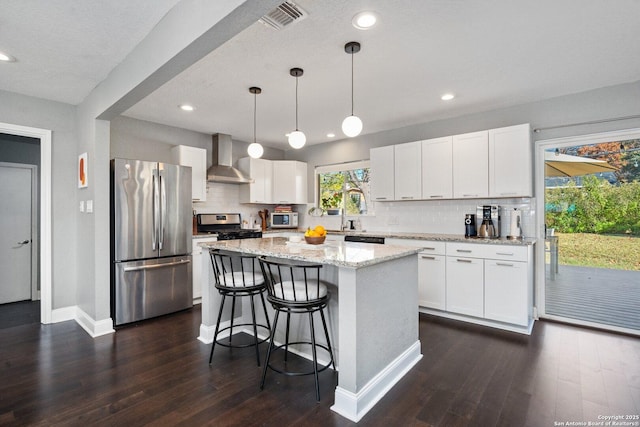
(43,212)
(588,190)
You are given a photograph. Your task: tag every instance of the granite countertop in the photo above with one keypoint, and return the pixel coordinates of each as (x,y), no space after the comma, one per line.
(420,236)
(336,253)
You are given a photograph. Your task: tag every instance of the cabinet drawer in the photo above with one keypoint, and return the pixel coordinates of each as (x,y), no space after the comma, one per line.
(435,248)
(507,252)
(466,250)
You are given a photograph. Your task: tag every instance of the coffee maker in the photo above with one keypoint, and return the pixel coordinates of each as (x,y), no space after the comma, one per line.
(488,217)
(470,225)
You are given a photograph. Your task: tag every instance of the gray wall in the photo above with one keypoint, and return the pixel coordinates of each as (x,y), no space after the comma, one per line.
(604,103)
(60,118)
(141,140)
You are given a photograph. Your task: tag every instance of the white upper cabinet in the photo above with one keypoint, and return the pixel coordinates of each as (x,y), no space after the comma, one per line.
(195,157)
(437,168)
(408,171)
(289,182)
(510,169)
(261,171)
(382,173)
(471,165)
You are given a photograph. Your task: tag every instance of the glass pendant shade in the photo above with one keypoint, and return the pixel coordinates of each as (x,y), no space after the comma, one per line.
(255,150)
(297,139)
(352,126)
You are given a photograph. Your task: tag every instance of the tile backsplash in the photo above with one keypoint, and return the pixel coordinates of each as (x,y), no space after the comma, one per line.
(426,216)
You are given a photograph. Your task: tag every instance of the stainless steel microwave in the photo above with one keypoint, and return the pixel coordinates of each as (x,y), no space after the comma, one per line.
(284,220)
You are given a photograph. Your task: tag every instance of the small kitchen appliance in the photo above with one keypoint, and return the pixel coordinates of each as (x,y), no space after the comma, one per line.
(488,217)
(515,228)
(226,226)
(470,225)
(284,220)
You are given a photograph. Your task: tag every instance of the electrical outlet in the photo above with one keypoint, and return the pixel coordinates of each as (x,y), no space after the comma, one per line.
(89,206)
(81,205)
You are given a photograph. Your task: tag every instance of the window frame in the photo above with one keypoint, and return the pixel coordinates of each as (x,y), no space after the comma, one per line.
(340,167)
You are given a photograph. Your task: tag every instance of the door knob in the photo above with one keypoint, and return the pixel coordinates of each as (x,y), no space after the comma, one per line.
(24,242)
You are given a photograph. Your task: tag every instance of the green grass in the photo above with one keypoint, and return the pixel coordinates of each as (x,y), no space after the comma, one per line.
(602,251)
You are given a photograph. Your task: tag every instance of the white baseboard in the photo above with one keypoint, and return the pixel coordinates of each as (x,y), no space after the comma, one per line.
(354,406)
(91,326)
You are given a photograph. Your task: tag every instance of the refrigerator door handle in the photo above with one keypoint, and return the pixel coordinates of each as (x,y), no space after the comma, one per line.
(151,267)
(156,202)
(163,212)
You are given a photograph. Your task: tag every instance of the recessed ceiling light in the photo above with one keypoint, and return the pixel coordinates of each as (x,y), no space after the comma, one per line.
(447,97)
(365,20)
(331,135)
(186,107)
(5,57)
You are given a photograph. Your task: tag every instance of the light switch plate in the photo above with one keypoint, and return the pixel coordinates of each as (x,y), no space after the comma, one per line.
(81,205)
(89,206)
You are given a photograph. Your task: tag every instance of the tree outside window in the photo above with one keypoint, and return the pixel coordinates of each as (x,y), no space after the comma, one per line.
(348,189)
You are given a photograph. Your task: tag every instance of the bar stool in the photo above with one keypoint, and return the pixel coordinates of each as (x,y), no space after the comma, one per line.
(238,276)
(296,289)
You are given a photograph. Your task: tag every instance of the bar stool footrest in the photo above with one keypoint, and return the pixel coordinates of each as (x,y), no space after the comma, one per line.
(293,373)
(251,344)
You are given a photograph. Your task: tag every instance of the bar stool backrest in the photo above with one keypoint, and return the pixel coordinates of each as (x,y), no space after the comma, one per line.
(293,283)
(235,271)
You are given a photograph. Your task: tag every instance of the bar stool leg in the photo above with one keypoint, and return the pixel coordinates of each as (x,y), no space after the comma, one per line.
(255,330)
(215,334)
(266,315)
(326,334)
(266,362)
(315,356)
(286,338)
(233,315)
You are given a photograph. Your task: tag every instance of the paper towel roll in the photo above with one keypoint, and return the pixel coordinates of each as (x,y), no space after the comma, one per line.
(515,229)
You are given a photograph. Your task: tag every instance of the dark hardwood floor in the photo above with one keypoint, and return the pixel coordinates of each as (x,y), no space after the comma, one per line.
(156,373)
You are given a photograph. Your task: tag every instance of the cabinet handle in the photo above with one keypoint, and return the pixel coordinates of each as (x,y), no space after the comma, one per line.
(469,195)
(381,198)
(504,264)
(513,193)
(436,197)
(464,260)
(428,257)
(505,253)
(406,197)
(428,249)
(465,251)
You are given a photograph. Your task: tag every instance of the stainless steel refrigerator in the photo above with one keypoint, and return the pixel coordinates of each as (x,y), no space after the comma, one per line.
(151,229)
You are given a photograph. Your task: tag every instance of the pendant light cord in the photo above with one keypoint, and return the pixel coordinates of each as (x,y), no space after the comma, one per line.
(255,97)
(296,103)
(352,83)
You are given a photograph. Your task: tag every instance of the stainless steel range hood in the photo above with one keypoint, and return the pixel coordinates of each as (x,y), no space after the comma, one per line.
(221,170)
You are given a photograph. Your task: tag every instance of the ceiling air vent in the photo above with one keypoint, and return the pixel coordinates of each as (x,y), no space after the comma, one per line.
(285,14)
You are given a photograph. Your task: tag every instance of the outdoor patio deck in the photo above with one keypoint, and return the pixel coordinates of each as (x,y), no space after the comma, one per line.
(599,295)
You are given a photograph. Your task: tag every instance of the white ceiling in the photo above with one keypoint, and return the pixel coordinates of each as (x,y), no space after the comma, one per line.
(491,54)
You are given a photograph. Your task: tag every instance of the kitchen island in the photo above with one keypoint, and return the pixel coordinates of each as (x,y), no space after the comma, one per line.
(373,314)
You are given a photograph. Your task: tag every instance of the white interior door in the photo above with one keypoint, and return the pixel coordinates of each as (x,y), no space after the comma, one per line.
(15,234)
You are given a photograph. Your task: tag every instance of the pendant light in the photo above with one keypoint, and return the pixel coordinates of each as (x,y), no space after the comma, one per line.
(255,150)
(297,138)
(352,125)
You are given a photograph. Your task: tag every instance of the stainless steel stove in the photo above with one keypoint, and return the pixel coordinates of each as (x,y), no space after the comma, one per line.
(226,226)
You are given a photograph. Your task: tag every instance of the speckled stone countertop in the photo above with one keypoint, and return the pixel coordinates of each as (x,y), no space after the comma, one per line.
(339,254)
(422,236)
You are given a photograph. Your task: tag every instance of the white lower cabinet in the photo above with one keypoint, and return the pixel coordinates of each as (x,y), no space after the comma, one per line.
(465,286)
(488,284)
(432,276)
(505,291)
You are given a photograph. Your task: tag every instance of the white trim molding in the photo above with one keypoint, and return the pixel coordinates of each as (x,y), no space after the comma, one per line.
(93,328)
(354,406)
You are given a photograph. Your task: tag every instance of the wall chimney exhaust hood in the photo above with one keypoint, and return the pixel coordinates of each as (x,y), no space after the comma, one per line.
(221,170)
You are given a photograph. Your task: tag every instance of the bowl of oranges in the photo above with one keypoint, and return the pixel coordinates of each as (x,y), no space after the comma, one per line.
(316,235)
